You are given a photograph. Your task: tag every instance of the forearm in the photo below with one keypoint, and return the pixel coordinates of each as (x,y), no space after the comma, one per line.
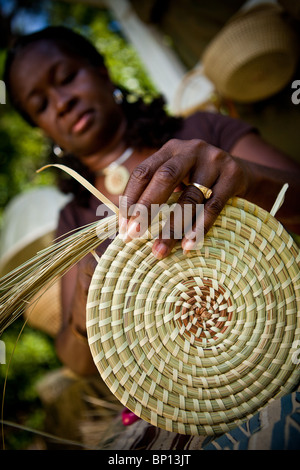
(266,183)
(269,169)
(71,343)
(73,350)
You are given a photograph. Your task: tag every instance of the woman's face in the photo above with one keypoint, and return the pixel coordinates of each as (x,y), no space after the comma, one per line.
(67,97)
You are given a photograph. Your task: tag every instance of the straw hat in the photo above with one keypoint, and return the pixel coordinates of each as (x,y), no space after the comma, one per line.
(254,56)
(197,344)
(45,311)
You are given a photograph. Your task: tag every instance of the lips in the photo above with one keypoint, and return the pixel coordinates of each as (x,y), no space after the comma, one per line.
(82,122)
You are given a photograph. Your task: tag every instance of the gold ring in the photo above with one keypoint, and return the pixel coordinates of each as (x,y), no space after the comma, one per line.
(204,190)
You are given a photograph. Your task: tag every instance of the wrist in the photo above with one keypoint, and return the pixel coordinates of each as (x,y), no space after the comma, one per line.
(263,184)
(252,180)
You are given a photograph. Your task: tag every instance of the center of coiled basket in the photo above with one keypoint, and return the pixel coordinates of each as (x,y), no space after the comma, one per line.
(203,313)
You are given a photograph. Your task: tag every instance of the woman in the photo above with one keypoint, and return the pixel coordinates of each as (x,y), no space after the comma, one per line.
(59,82)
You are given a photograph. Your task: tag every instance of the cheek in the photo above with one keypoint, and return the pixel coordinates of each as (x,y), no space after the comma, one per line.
(96,87)
(48,127)
(52,131)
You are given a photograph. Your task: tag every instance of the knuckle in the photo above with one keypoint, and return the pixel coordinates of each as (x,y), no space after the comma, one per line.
(191,196)
(235,170)
(217,154)
(198,143)
(171,145)
(215,206)
(141,173)
(167,173)
(191,146)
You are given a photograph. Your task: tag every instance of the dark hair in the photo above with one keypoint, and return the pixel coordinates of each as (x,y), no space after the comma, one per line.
(149,125)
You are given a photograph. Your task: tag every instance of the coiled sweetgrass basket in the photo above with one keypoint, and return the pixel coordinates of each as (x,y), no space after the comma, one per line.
(198,343)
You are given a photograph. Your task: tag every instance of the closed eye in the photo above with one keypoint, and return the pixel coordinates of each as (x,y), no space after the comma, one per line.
(39,104)
(68,78)
(43,105)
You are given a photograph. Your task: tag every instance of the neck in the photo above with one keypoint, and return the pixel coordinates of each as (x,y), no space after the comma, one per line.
(102,158)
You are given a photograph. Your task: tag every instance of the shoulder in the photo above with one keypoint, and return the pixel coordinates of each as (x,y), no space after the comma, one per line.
(200,125)
(215,128)
(208,122)
(197,122)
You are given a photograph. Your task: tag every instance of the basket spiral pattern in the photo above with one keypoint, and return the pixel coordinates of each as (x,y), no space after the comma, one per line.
(198,343)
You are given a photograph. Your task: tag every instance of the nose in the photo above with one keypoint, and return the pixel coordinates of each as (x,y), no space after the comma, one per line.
(63,100)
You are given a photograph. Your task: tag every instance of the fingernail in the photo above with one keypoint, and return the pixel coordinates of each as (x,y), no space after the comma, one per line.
(122,225)
(133,230)
(160,250)
(130,231)
(188,245)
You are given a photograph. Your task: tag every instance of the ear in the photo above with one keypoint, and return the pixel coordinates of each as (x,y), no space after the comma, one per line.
(102,70)
(104,75)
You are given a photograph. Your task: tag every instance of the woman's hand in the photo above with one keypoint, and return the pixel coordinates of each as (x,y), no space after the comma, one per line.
(177,162)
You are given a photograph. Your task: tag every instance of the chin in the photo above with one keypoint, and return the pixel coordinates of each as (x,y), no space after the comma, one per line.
(87,144)
(98,136)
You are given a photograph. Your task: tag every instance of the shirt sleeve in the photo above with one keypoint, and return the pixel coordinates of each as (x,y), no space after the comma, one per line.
(215,129)
(225,131)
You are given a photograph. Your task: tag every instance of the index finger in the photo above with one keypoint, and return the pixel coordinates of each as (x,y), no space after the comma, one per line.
(153,182)
(151,196)
(139,179)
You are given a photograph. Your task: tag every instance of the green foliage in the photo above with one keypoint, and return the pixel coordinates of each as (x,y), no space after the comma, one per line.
(121,58)
(28,358)
(22,151)
(33,352)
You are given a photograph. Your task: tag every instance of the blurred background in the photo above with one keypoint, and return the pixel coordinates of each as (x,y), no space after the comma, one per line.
(235,57)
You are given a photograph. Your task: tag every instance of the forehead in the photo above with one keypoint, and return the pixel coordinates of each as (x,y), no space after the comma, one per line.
(40,55)
(33,64)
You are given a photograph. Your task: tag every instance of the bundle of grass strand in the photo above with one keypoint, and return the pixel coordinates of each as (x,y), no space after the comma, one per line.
(20,286)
